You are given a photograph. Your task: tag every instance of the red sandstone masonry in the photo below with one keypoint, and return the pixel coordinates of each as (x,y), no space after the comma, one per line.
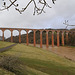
(41,30)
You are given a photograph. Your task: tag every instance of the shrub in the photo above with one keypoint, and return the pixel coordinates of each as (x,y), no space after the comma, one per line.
(12,64)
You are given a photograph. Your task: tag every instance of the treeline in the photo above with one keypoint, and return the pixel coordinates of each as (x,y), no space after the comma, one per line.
(71,38)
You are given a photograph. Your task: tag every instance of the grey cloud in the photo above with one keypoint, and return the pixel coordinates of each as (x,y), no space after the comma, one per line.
(53,18)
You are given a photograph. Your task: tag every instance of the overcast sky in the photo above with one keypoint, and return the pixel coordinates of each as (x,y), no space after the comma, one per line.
(53,18)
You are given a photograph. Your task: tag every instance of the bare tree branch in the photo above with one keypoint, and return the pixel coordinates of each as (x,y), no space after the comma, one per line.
(12,3)
(36,8)
(67,25)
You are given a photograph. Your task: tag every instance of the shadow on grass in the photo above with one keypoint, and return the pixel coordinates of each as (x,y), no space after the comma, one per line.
(51,68)
(18,66)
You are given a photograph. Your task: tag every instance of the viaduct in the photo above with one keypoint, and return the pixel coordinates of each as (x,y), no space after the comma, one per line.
(34,38)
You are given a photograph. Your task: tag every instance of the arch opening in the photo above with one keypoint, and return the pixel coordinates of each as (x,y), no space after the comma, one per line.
(55,38)
(50,38)
(1,35)
(16,36)
(30,36)
(7,35)
(37,34)
(44,37)
(23,36)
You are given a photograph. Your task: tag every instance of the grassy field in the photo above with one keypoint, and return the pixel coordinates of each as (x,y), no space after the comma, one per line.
(4,44)
(5,72)
(36,61)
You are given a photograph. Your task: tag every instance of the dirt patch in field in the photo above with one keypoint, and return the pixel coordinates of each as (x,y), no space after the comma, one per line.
(65,51)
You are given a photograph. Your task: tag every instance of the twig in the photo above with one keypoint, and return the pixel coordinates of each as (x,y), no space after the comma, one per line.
(36,8)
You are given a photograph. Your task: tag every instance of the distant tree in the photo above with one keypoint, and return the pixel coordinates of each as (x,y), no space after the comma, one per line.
(36,8)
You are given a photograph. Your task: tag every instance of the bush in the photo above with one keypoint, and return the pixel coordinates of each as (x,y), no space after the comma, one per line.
(12,64)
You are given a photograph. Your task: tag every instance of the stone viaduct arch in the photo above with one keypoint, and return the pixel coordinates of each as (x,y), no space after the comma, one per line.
(41,31)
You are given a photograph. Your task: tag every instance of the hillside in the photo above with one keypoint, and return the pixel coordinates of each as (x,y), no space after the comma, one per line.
(28,60)
(5,44)
(5,72)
